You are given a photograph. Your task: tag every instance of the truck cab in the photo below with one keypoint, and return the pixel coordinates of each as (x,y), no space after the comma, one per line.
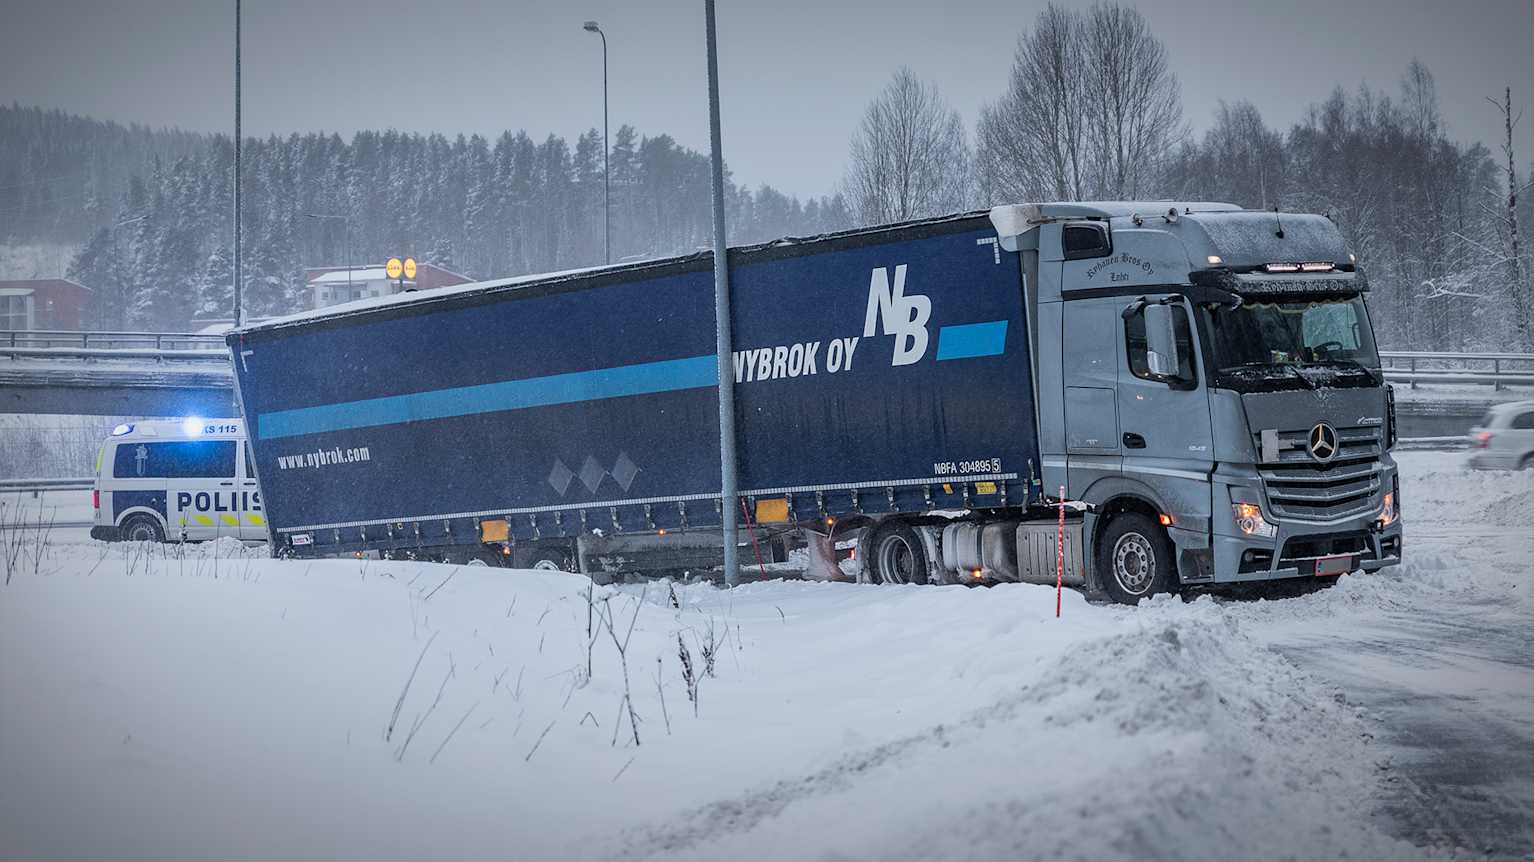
(1209,387)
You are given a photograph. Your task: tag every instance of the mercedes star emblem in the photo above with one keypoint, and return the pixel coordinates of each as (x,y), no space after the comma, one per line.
(1323,442)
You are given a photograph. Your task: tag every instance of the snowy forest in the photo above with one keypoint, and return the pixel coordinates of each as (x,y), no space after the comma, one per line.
(161,203)
(1091,110)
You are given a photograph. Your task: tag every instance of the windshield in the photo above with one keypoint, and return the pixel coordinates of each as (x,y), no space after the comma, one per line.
(1291,344)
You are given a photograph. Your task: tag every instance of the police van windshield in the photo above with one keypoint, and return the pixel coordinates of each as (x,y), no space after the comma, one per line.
(191,459)
(1293,343)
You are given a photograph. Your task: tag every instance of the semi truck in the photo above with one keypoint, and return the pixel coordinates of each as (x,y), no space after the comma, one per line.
(1194,386)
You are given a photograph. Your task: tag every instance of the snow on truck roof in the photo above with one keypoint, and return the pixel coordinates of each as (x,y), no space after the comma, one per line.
(413,297)
(1035,213)
(1225,227)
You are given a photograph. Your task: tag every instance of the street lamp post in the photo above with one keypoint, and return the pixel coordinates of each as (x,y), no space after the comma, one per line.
(607,236)
(346,227)
(729,490)
(239,315)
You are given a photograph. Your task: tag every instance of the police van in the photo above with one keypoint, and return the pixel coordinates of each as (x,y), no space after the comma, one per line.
(180,480)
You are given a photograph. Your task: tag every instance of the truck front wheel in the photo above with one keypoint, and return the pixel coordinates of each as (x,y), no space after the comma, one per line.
(1135,559)
(896,555)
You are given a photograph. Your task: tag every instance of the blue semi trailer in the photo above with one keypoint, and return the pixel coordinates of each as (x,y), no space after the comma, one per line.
(925,387)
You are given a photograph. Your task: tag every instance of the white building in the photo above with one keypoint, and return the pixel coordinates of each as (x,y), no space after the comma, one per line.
(344,285)
(333,285)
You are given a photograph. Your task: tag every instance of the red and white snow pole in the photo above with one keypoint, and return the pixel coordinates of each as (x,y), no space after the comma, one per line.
(1060,555)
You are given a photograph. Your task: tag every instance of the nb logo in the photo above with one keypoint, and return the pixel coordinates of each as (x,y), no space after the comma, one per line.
(891,312)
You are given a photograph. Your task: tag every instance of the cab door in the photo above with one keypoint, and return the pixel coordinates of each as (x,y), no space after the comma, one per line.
(248,497)
(1164,418)
(1089,366)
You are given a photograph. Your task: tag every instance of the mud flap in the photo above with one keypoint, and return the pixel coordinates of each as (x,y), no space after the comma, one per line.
(822,558)
(1093,590)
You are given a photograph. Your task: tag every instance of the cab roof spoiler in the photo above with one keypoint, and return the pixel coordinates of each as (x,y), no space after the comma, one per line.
(1014,220)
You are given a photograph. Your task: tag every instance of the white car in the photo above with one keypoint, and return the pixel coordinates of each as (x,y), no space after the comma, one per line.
(1505,438)
(179,480)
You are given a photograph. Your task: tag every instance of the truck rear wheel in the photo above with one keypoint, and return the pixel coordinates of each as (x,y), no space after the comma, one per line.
(1135,559)
(896,555)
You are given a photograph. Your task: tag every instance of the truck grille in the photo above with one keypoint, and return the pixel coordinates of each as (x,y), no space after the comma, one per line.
(1302,489)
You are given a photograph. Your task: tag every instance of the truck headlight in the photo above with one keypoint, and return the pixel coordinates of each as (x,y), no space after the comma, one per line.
(1249,520)
(1388,512)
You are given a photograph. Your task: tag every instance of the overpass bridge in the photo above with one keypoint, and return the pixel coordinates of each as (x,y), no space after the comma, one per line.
(177,374)
(115,374)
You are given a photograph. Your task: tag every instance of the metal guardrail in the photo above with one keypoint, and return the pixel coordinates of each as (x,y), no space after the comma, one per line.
(1441,444)
(1423,366)
(91,346)
(80,483)
(90,353)
(110,340)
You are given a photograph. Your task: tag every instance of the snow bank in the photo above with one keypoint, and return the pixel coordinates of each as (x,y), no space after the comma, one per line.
(217,704)
(207,702)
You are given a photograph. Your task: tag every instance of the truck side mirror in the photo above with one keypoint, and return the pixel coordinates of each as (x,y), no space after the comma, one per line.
(1161,341)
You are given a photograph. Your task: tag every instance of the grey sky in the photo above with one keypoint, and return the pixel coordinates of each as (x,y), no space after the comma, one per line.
(796,73)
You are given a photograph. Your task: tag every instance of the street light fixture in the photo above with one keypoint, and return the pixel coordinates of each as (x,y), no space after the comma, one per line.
(346,224)
(607,236)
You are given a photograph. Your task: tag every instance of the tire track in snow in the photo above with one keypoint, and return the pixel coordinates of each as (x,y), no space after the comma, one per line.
(1186,680)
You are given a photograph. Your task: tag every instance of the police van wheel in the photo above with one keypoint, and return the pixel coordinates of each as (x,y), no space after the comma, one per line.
(896,556)
(142,528)
(1135,559)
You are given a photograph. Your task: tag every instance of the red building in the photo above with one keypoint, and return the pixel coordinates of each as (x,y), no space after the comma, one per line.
(43,303)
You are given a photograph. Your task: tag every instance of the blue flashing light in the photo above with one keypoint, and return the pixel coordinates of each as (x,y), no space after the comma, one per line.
(122,429)
(192,426)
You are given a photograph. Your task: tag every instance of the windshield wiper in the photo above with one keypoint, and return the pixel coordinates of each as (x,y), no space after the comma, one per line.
(1349,367)
(1290,371)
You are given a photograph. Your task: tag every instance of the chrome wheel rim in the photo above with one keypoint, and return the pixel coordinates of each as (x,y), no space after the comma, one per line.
(141,532)
(1134,564)
(897,561)
(548,566)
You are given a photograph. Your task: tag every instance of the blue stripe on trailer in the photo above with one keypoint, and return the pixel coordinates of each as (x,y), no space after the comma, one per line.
(971,340)
(649,377)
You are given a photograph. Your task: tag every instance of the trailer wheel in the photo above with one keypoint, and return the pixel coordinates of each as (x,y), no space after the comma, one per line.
(488,557)
(142,528)
(547,558)
(1135,559)
(896,555)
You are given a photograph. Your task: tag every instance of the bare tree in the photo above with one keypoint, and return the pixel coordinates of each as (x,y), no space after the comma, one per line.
(1031,144)
(909,158)
(1134,102)
(1240,160)
(1510,223)
(1092,109)
(1419,92)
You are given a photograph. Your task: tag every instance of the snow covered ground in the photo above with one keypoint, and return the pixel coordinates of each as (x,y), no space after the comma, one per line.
(221,705)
